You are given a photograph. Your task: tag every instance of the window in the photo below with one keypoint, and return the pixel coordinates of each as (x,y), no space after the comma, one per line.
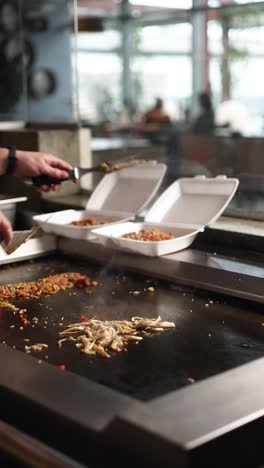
(99,74)
(166,77)
(99,85)
(171,38)
(162,67)
(235,42)
(181,4)
(101,41)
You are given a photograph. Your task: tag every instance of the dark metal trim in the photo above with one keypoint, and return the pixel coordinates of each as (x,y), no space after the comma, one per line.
(207,412)
(171,428)
(25,449)
(61,409)
(220,417)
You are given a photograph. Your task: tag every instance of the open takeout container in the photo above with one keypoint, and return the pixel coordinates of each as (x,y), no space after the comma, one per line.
(33,248)
(118,197)
(184,210)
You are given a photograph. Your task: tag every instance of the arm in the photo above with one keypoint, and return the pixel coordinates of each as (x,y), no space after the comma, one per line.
(31,164)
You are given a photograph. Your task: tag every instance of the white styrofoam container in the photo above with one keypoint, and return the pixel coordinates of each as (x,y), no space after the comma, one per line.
(32,248)
(118,197)
(184,210)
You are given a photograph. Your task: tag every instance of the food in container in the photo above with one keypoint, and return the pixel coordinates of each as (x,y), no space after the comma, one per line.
(86,222)
(118,197)
(184,210)
(149,235)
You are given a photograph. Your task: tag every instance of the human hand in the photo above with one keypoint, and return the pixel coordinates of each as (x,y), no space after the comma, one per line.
(34,164)
(6,229)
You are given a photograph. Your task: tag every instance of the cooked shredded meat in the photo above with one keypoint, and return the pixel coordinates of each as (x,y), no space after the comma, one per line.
(97,337)
(114,166)
(86,222)
(153,235)
(43,287)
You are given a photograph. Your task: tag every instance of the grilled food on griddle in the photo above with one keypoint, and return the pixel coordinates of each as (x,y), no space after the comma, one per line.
(43,287)
(98,337)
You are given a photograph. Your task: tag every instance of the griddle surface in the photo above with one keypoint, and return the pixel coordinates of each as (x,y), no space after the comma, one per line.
(212,334)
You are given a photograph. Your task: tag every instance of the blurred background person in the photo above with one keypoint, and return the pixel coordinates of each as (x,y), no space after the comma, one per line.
(156,115)
(155,123)
(205,122)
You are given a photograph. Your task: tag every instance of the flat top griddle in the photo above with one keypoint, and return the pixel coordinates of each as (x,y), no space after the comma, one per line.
(212,334)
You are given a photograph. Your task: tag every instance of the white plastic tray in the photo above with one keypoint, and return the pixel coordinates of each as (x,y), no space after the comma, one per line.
(184,210)
(118,197)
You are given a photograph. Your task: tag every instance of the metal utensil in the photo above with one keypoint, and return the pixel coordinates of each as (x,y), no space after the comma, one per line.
(20,237)
(77,172)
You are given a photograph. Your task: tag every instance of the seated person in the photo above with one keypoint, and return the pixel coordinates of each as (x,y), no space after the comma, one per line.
(156,115)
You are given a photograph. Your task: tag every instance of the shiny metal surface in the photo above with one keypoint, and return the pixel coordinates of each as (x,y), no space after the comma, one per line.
(191,267)
(211,335)
(215,422)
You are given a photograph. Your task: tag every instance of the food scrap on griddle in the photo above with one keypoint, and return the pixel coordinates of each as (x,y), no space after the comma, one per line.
(43,287)
(91,336)
(36,347)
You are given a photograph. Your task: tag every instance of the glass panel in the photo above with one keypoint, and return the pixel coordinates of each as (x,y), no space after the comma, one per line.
(99,71)
(165,77)
(161,67)
(107,40)
(166,38)
(236,51)
(235,44)
(99,85)
(215,37)
(216,3)
(48,73)
(174,4)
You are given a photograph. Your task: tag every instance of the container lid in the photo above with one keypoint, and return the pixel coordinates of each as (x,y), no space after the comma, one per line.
(6,199)
(196,201)
(128,191)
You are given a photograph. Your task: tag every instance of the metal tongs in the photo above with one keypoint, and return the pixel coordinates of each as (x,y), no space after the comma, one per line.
(20,237)
(77,172)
